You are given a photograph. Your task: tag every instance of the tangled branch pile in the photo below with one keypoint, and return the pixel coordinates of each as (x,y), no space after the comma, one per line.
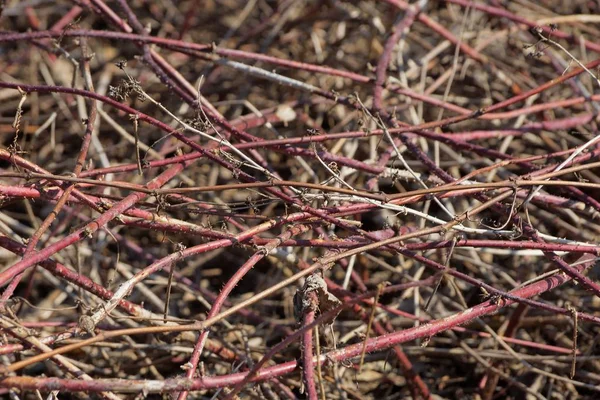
(299,199)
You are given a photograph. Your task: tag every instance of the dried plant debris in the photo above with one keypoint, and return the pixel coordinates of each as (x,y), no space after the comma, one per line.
(325,300)
(300,199)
